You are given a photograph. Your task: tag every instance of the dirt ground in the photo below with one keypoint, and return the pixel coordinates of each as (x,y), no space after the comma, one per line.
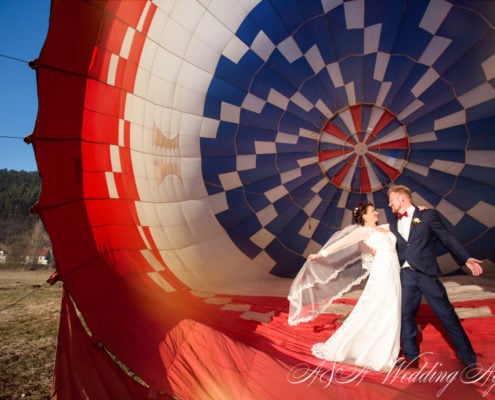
(29,314)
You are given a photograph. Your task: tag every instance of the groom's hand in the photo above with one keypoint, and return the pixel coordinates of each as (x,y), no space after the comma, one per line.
(369,249)
(474,266)
(313,257)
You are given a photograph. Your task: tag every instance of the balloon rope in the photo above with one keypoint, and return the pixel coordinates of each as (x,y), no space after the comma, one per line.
(11,137)
(14,58)
(19,300)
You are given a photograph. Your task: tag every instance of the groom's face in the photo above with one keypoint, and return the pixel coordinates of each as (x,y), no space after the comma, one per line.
(395,202)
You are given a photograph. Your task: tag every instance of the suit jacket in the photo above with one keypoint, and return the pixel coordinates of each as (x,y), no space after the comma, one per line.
(419,249)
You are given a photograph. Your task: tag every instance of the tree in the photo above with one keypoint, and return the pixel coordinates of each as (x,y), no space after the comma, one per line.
(20,230)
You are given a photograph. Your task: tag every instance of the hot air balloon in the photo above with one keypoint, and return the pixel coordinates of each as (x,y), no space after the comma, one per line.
(193,153)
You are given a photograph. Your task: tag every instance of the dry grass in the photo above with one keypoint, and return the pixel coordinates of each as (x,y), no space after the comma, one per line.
(29,313)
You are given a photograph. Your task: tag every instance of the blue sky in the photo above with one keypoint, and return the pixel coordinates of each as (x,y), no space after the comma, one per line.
(23,28)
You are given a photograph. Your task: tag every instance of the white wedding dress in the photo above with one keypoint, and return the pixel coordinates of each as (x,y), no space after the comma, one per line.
(370,335)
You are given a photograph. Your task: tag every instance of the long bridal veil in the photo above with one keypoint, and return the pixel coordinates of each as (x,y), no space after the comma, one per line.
(321,281)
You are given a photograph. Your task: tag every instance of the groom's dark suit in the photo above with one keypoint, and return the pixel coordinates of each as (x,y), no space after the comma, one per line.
(421,279)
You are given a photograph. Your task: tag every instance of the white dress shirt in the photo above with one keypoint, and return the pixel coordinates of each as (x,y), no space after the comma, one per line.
(404,224)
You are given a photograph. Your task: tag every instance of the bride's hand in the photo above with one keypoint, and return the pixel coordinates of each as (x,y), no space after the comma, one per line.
(313,257)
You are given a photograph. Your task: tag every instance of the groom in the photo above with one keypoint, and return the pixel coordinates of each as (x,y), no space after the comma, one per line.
(417,233)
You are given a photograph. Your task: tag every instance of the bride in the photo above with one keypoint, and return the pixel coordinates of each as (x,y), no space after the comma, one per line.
(370,335)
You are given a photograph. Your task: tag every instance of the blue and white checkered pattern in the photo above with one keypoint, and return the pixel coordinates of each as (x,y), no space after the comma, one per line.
(295,65)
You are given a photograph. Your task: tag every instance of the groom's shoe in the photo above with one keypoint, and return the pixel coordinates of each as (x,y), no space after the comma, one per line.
(407,363)
(469,361)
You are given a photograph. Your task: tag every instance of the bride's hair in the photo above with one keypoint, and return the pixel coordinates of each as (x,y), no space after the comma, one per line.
(359,211)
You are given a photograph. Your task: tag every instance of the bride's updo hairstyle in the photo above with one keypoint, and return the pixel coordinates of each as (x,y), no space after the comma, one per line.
(359,211)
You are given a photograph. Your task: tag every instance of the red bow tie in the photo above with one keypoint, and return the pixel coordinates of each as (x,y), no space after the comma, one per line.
(400,215)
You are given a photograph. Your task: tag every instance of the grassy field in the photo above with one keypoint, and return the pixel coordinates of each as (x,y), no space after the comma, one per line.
(29,313)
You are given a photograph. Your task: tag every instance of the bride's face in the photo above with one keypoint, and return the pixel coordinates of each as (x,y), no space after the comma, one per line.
(371,215)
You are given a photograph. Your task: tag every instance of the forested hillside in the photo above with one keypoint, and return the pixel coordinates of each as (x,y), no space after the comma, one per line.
(21,233)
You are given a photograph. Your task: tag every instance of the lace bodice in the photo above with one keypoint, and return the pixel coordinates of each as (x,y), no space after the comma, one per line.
(381,241)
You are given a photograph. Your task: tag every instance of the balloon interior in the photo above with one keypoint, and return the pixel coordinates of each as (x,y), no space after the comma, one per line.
(193,153)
